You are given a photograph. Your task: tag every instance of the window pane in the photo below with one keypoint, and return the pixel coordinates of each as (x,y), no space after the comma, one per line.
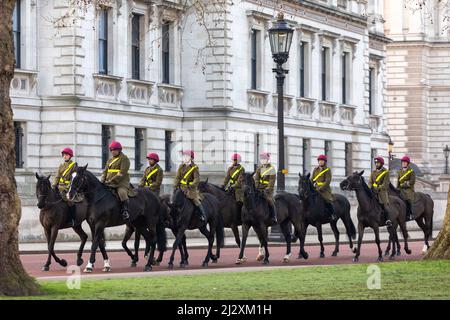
(103,42)
(324,73)
(16,33)
(165,53)
(135,46)
(254,58)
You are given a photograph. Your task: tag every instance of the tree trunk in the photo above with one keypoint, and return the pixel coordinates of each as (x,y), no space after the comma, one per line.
(13,278)
(441,246)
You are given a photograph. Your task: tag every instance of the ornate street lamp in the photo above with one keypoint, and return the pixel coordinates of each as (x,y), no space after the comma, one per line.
(446,154)
(280,36)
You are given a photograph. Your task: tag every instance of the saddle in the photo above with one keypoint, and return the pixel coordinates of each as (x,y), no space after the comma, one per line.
(131,192)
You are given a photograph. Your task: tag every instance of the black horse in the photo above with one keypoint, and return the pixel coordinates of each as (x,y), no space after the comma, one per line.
(423,212)
(315,213)
(54,216)
(184,217)
(289,212)
(254,214)
(228,208)
(370,214)
(104,211)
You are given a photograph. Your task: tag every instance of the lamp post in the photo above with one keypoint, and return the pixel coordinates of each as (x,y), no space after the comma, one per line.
(390,148)
(280,36)
(446,154)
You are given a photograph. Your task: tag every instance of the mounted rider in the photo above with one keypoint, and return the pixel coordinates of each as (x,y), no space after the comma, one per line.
(406,178)
(188,178)
(115,176)
(234,178)
(379,184)
(62,180)
(321,179)
(153,174)
(265,182)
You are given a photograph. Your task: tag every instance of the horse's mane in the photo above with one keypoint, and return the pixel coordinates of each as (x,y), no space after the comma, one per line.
(366,188)
(101,189)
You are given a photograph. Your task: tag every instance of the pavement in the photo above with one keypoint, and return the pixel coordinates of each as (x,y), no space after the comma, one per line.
(33,256)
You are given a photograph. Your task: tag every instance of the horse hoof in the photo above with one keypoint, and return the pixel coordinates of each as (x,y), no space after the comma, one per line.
(239,261)
(106,269)
(334,254)
(259,257)
(171,266)
(133,264)
(391,257)
(322,255)
(63,263)
(398,253)
(80,262)
(355,259)
(45,268)
(408,251)
(266,261)
(146,257)
(380,259)
(182,265)
(354,250)
(386,253)
(147,268)
(205,264)
(156,263)
(88,270)
(214,260)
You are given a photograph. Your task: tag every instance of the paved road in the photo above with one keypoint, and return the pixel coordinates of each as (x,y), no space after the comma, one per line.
(120,262)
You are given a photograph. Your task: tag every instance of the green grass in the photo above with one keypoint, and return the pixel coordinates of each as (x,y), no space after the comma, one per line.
(399,280)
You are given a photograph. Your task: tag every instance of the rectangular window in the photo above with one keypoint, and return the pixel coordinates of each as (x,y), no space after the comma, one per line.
(324,73)
(107,136)
(254,59)
(19,144)
(306,156)
(16,33)
(135,46)
(166,52)
(302,69)
(328,148)
(371,89)
(139,148)
(257,150)
(103,42)
(373,154)
(168,149)
(344,78)
(348,159)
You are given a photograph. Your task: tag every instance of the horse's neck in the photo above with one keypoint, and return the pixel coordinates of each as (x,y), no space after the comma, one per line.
(365,202)
(53,196)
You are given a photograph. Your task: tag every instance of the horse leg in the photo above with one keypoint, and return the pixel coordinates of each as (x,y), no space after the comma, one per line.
(395,242)
(284,226)
(264,238)
(51,247)
(357,250)
(303,254)
(150,240)
(46,266)
(319,235)
(178,238)
(83,236)
(245,229)
(235,230)
(184,247)
(377,241)
(128,232)
(96,240)
(210,236)
(404,230)
(336,238)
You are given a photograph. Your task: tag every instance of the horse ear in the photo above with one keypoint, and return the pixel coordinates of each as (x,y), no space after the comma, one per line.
(206,180)
(82,169)
(48,177)
(37,176)
(361,173)
(308,175)
(299,174)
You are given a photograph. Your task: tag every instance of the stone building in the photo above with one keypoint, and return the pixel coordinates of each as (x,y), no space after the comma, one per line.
(148,74)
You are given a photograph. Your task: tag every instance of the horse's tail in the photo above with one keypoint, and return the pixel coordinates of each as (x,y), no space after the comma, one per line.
(220,234)
(161,236)
(348,222)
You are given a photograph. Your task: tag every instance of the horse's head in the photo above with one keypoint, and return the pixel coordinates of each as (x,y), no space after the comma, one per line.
(304,185)
(353,181)
(203,186)
(178,200)
(43,188)
(78,184)
(248,184)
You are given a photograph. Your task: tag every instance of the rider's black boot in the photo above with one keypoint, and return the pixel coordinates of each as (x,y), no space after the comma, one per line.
(201,213)
(332,212)
(409,215)
(386,216)
(72,214)
(273,214)
(124,210)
